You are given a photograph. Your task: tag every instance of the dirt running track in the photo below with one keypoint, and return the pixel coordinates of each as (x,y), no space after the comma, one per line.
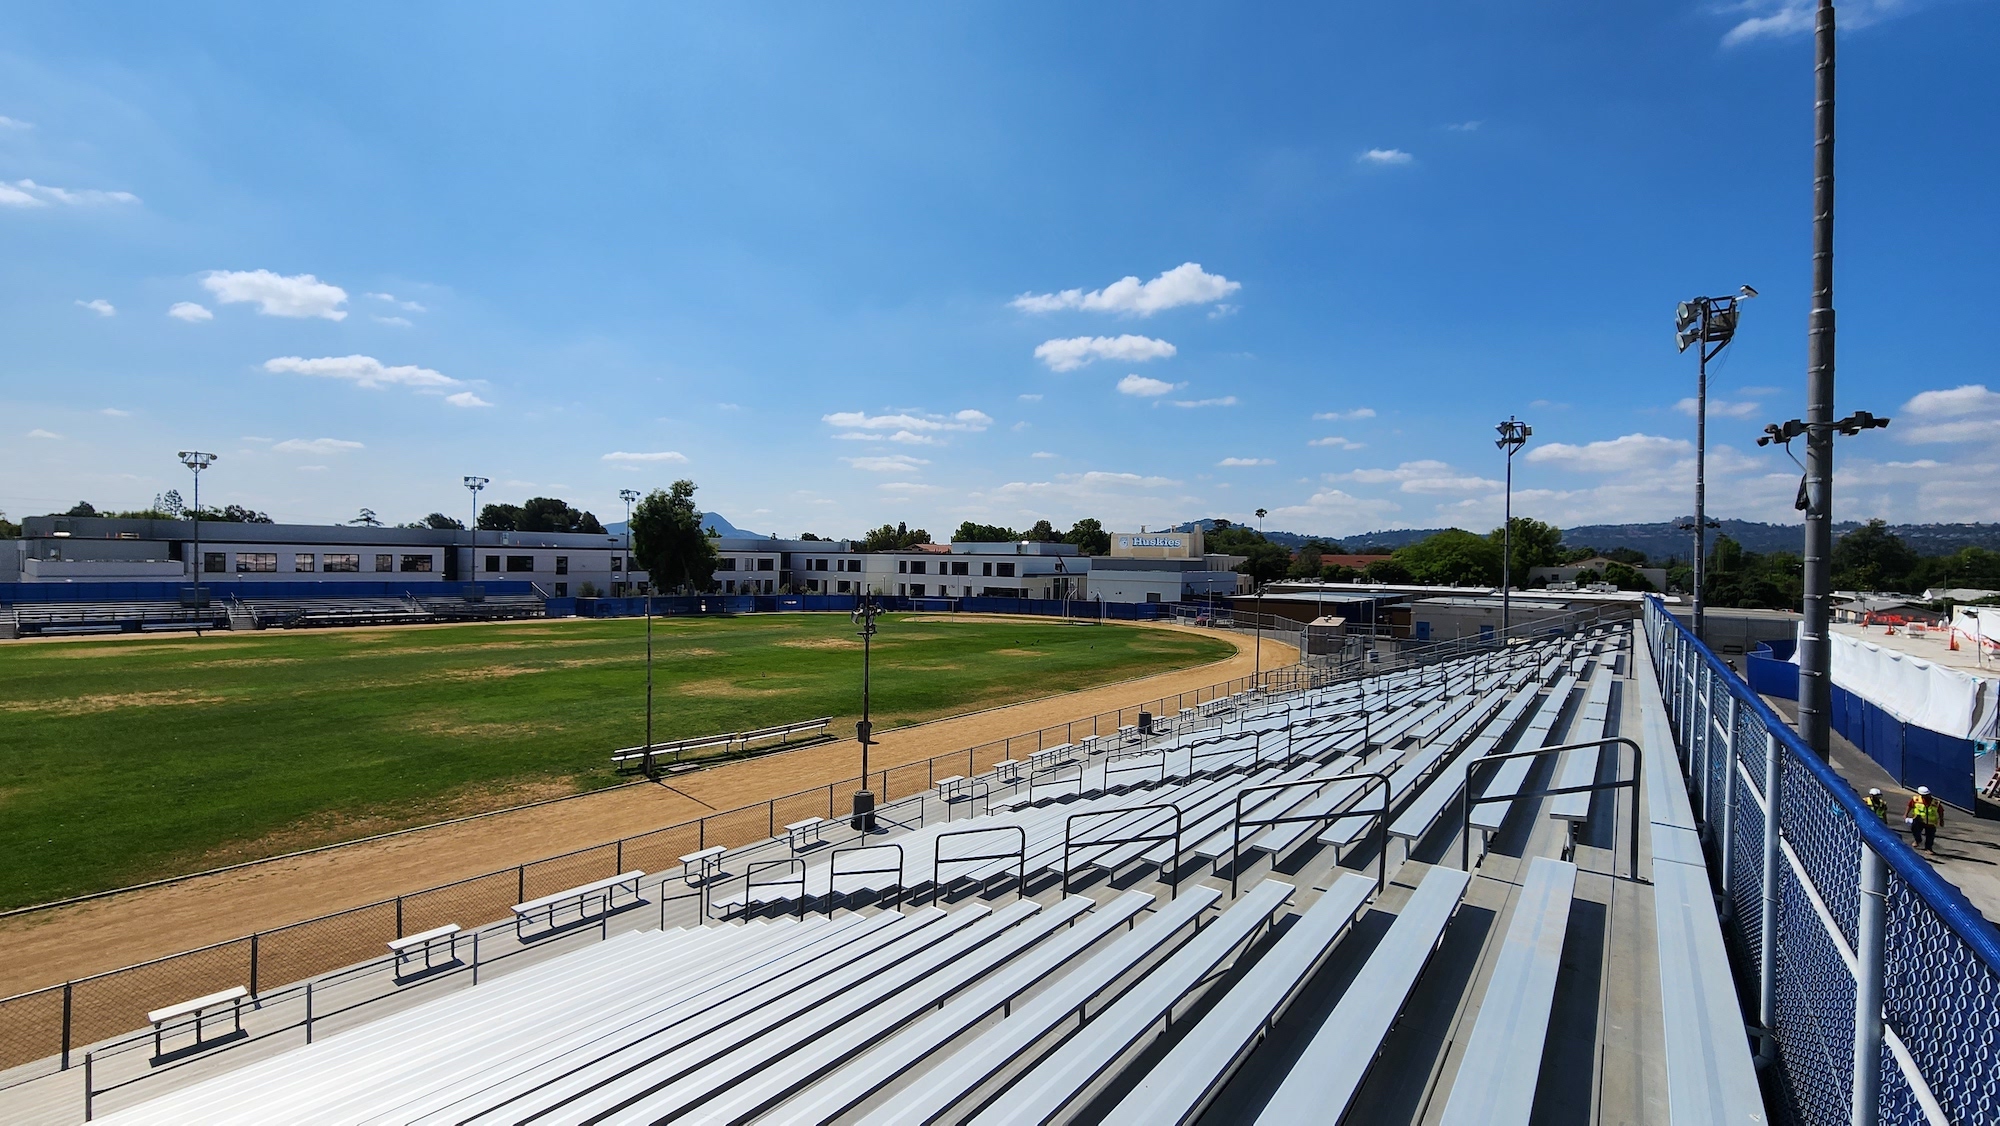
(50,947)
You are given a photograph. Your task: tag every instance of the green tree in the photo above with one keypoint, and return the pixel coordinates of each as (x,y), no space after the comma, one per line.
(894,537)
(1535,545)
(1089,537)
(1042,532)
(1624,577)
(1974,567)
(970,532)
(8,529)
(1453,557)
(1872,557)
(1266,562)
(82,508)
(551,514)
(1386,571)
(500,518)
(366,518)
(170,502)
(1339,573)
(438,521)
(668,540)
(1306,565)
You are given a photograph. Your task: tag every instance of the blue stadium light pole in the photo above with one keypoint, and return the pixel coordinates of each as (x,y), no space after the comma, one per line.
(197,461)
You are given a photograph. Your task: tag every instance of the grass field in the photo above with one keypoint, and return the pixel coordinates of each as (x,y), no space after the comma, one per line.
(127,760)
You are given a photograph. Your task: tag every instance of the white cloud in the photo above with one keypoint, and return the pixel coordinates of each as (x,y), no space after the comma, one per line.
(406,306)
(891,463)
(1617,455)
(27,193)
(1344,416)
(1775,19)
(99,306)
(275,295)
(466,399)
(1074,352)
(114,412)
(1465,126)
(260,441)
(1958,414)
(316,446)
(1972,398)
(1029,398)
(190,312)
(1385,156)
(1425,476)
(662,455)
(1338,443)
(1145,388)
(49,435)
(1242,462)
(909,424)
(909,488)
(1185,284)
(1333,507)
(14,123)
(728,407)
(1042,454)
(399,322)
(1196,404)
(1720,408)
(364,371)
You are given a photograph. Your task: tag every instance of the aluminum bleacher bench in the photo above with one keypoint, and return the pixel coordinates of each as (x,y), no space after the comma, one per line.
(949,788)
(936,1091)
(1579,766)
(1180,1086)
(698,868)
(865,1074)
(1064,1075)
(1053,756)
(601,894)
(1128,733)
(1327,1074)
(406,947)
(805,834)
(232,997)
(1009,771)
(1496,1078)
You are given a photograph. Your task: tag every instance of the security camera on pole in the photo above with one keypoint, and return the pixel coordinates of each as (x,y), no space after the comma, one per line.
(1702,322)
(864,799)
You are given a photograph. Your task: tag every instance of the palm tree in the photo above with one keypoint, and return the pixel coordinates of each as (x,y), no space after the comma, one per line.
(1260,521)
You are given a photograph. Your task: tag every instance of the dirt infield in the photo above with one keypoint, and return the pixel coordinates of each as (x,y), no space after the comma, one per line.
(50,947)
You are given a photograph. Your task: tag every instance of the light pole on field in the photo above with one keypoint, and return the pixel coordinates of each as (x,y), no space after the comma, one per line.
(1702,322)
(629,496)
(474,484)
(864,798)
(1513,435)
(197,461)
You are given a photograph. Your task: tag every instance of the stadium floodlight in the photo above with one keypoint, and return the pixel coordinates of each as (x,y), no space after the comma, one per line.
(476,484)
(1513,435)
(1706,324)
(629,496)
(864,614)
(197,461)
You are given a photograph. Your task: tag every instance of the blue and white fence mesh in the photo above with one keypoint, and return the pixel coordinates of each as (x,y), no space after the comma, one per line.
(1940,1061)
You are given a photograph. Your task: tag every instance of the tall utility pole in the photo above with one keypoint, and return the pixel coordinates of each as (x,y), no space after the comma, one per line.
(864,732)
(472,529)
(1513,435)
(197,461)
(629,496)
(1701,322)
(1815,656)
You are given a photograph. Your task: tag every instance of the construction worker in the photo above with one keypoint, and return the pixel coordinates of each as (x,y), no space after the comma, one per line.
(1878,803)
(1924,815)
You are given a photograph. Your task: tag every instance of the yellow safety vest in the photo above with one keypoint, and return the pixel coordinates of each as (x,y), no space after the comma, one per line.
(1928,811)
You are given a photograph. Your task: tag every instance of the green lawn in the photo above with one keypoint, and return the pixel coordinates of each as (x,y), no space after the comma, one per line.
(128,760)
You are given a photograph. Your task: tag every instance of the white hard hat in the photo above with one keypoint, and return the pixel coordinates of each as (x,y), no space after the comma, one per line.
(1924,790)
(1874,792)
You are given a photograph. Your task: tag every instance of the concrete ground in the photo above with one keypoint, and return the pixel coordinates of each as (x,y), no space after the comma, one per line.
(1968,844)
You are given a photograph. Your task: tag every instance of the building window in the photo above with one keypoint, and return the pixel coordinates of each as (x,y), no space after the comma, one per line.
(766,564)
(812,586)
(385,562)
(562,590)
(916,590)
(493,564)
(416,563)
(213,562)
(725,564)
(520,562)
(1006,570)
(729,586)
(337,561)
(842,588)
(986,569)
(1152,596)
(902,566)
(562,564)
(256,561)
(960,568)
(901,589)
(617,563)
(916,566)
(303,561)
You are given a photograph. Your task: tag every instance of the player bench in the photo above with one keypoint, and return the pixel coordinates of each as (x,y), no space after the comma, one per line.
(698,868)
(599,894)
(196,1008)
(635,757)
(409,946)
(784,732)
(806,834)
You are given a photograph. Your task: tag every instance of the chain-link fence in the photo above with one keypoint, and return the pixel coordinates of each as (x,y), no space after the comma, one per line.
(1937,1056)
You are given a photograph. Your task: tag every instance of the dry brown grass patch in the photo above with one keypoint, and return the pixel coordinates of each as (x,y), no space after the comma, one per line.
(86,705)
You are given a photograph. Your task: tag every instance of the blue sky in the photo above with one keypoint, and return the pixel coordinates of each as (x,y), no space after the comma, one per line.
(848,266)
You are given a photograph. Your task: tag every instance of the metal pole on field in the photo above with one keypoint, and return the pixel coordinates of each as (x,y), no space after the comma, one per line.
(197,461)
(628,496)
(1815,656)
(1513,435)
(864,798)
(1868,987)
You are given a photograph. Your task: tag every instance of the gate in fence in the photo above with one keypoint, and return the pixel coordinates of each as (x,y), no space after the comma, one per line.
(1876,983)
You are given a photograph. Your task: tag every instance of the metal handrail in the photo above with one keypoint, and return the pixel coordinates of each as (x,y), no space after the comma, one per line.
(833,872)
(1069,840)
(938,859)
(1466,801)
(1381,815)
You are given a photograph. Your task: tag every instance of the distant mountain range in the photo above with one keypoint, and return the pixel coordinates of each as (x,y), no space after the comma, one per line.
(715,520)
(1665,539)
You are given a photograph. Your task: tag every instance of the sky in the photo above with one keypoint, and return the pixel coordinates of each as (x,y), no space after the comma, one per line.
(843,266)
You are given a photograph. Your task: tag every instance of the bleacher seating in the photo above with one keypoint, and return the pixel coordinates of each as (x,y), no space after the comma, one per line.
(31,619)
(1141,1005)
